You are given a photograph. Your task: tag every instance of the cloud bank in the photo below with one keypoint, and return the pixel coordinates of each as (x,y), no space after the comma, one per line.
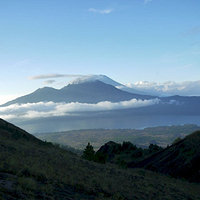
(51,109)
(188,88)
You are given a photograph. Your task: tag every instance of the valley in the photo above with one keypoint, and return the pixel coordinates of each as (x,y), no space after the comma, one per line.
(78,139)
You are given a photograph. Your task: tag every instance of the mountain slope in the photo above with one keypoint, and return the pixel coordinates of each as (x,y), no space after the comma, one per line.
(32,170)
(12,132)
(93,92)
(93,78)
(182,159)
(107,80)
(110,113)
(86,92)
(42,94)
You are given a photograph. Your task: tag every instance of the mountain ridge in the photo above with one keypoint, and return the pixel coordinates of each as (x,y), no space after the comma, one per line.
(87,92)
(180,160)
(97,105)
(93,78)
(107,80)
(12,132)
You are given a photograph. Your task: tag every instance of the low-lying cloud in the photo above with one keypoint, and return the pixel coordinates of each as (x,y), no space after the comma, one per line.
(51,109)
(188,88)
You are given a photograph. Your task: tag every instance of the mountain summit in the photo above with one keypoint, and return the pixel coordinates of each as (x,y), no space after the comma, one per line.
(105,79)
(82,91)
(93,78)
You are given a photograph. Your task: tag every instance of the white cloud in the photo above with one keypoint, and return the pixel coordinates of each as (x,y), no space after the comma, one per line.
(47,76)
(49,109)
(188,88)
(105,11)
(172,101)
(49,82)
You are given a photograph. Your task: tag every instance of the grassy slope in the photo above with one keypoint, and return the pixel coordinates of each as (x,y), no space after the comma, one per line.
(181,159)
(32,169)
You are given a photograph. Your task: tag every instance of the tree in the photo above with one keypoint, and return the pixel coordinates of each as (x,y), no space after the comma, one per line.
(88,152)
(100,157)
(128,146)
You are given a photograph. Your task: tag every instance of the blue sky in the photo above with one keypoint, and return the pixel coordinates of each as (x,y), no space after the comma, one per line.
(127,40)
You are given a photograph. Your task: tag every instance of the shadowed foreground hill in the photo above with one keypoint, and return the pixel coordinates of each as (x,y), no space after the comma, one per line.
(181,160)
(32,169)
(11,132)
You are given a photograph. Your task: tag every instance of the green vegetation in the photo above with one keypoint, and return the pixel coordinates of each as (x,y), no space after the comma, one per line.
(162,136)
(120,154)
(89,152)
(180,160)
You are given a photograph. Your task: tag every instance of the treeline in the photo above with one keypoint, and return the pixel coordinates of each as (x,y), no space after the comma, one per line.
(120,154)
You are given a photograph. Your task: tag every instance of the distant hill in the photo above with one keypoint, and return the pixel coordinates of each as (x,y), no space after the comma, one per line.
(161,135)
(32,169)
(181,159)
